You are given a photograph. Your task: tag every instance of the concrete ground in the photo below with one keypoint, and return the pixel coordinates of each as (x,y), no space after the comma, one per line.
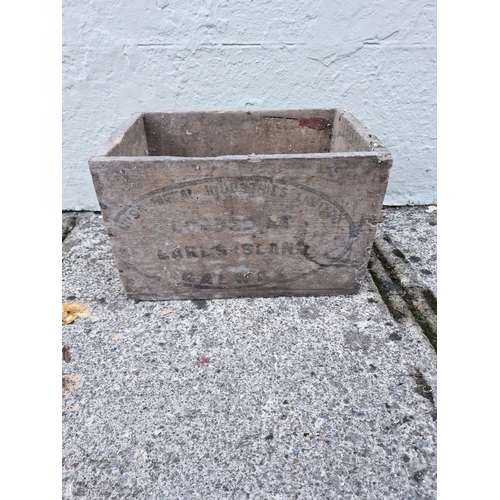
(279,398)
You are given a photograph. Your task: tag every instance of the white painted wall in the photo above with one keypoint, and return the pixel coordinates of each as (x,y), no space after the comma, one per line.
(377,59)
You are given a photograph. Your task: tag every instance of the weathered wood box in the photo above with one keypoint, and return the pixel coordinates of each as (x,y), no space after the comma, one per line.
(232,204)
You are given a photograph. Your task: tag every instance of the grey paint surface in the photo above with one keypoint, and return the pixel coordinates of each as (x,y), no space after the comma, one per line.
(375,59)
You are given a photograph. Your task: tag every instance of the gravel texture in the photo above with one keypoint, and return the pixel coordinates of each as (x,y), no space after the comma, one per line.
(280,398)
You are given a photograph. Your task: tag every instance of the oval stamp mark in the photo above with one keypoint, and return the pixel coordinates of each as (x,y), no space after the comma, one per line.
(232,233)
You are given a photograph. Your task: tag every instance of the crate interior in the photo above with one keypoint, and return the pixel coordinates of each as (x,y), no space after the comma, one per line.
(210,134)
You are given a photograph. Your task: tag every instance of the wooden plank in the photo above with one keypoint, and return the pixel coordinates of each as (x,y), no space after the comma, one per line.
(133,141)
(120,134)
(209,134)
(184,228)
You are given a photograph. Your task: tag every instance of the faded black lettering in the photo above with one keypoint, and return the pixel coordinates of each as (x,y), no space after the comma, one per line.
(188,276)
(242,278)
(247,248)
(274,222)
(221,251)
(177,254)
(162,254)
(203,254)
(125,223)
(286,219)
(268,235)
(206,279)
(157,200)
(302,247)
(311,202)
(233,223)
(191,252)
(212,190)
(161,199)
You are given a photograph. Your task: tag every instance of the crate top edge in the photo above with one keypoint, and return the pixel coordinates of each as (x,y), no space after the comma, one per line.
(375,144)
(241,111)
(381,153)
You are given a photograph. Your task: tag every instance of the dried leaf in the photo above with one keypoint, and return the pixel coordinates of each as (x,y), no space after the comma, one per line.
(70,383)
(167,311)
(295,461)
(115,336)
(71,310)
(381,219)
(66,355)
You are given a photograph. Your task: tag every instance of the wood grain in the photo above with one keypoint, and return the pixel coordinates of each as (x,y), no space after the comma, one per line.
(194,225)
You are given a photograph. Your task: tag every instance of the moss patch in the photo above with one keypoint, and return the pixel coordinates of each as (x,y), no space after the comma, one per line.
(383,290)
(399,253)
(431,299)
(420,318)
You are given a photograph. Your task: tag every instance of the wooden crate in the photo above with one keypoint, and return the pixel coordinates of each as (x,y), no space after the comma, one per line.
(234,204)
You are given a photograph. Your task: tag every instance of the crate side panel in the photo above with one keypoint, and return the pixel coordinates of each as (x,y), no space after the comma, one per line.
(133,142)
(215,228)
(346,137)
(208,134)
